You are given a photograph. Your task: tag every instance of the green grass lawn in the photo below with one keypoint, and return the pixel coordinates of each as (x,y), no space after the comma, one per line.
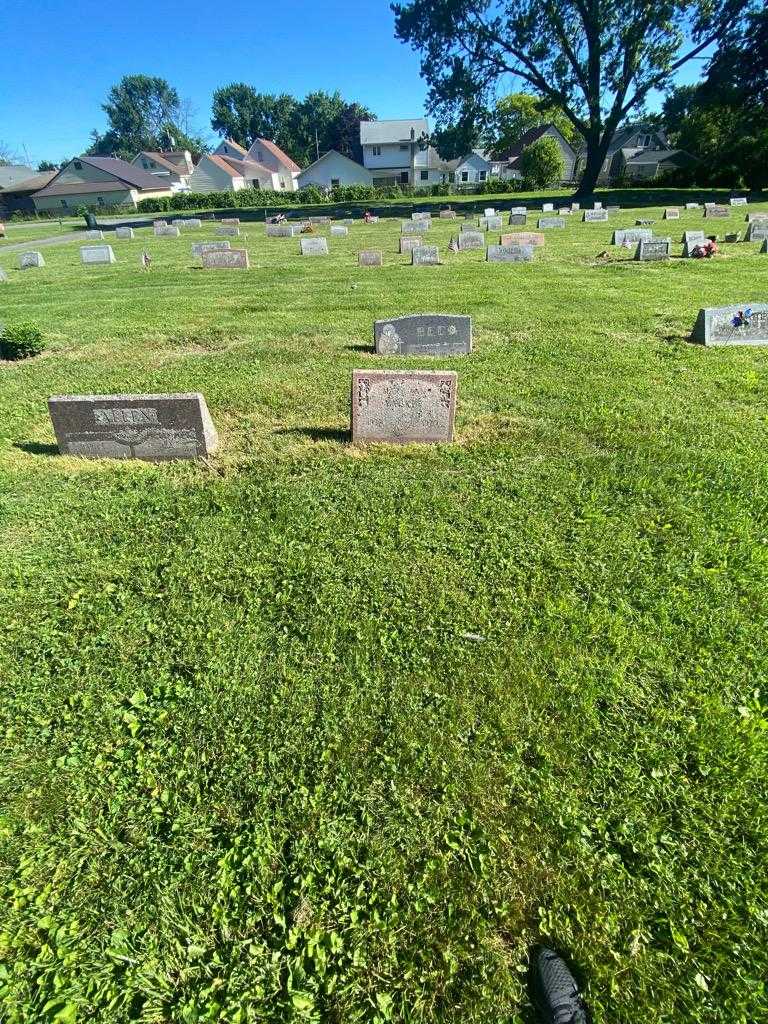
(26,231)
(322,734)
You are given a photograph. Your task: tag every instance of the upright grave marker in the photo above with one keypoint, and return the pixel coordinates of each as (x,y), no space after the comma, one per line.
(671,213)
(152,427)
(339,230)
(27,260)
(547,207)
(757,231)
(409,242)
(198,248)
(447,214)
(425,256)
(97,254)
(632,235)
(492,223)
(509,253)
(225,259)
(414,227)
(522,238)
(423,334)
(692,206)
(738,201)
(595,215)
(94,235)
(656,249)
(166,231)
(397,407)
(550,222)
(714,210)
(124,233)
(691,238)
(421,215)
(733,325)
(471,240)
(231,220)
(282,230)
(518,218)
(370,258)
(314,246)
(231,230)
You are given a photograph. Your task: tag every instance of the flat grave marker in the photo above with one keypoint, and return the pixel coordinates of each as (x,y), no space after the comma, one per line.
(395,407)
(94,235)
(156,428)
(423,334)
(230,230)
(97,254)
(339,230)
(225,259)
(733,325)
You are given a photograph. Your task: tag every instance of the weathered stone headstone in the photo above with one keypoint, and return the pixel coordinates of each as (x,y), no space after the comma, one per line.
(613,209)
(597,206)
(634,235)
(492,223)
(97,254)
(423,334)
(124,233)
(656,249)
(414,227)
(671,213)
(151,427)
(692,206)
(314,246)
(409,242)
(167,231)
(564,211)
(518,218)
(31,259)
(733,325)
(225,259)
(425,256)
(489,211)
(547,207)
(282,230)
(522,238)
(370,258)
(691,238)
(319,220)
(339,230)
(231,220)
(550,222)
(756,216)
(471,240)
(346,222)
(94,235)
(757,231)
(160,224)
(199,248)
(740,201)
(509,253)
(575,207)
(733,236)
(187,224)
(447,215)
(717,211)
(421,215)
(518,210)
(231,230)
(595,215)
(397,407)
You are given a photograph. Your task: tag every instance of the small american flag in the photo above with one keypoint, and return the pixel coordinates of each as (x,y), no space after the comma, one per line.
(453,245)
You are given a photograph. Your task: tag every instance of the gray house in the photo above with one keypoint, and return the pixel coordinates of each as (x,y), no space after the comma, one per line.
(511,158)
(637,151)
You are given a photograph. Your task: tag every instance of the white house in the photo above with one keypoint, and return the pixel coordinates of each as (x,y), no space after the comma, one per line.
(334,169)
(269,155)
(172,166)
(216,173)
(100,182)
(511,158)
(396,152)
(472,169)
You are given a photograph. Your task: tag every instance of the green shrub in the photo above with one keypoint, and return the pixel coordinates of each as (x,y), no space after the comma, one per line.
(20,341)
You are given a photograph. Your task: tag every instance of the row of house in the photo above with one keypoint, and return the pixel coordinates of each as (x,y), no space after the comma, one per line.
(394,153)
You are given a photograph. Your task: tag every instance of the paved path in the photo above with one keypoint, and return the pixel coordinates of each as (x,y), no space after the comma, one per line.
(72,236)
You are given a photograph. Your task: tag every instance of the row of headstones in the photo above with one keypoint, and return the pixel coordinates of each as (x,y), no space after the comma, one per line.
(390,406)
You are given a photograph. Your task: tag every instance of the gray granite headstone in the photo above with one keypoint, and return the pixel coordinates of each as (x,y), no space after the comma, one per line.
(729,325)
(671,213)
(717,211)
(94,235)
(522,238)
(550,222)
(225,259)
(518,209)
(414,227)
(188,223)
(423,334)
(370,258)
(397,407)
(739,201)
(509,253)
(97,254)
(625,235)
(31,259)
(595,215)
(409,242)
(230,230)
(518,218)
(421,215)
(159,223)
(447,215)
(612,210)
(757,231)
(282,230)
(339,230)
(492,223)
(425,256)
(597,206)
(199,248)
(319,220)
(152,427)
(656,249)
(756,216)
(692,206)
(166,231)
(314,246)
(691,238)
(124,233)
(471,240)
(231,220)
(547,207)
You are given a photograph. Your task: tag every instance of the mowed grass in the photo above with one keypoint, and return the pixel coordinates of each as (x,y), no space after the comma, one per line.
(315,733)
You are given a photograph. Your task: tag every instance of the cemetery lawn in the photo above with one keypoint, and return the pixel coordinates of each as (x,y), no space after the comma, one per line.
(313,733)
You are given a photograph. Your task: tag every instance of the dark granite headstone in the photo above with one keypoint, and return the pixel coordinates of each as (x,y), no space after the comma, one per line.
(656,249)
(518,218)
(151,427)
(733,325)
(423,334)
(397,407)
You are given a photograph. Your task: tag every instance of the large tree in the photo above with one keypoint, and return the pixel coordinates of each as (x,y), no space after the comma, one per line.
(518,112)
(595,60)
(244,115)
(144,112)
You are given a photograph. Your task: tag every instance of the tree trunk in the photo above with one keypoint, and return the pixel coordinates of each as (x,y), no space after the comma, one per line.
(595,156)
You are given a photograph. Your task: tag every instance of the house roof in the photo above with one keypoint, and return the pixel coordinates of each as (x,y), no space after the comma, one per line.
(234,145)
(652,156)
(159,158)
(275,150)
(392,131)
(76,188)
(123,173)
(32,184)
(623,135)
(244,167)
(10,174)
(341,156)
(526,140)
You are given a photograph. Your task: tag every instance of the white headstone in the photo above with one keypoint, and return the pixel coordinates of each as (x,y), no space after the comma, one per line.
(124,233)
(314,246)
(97,254)
(31,259)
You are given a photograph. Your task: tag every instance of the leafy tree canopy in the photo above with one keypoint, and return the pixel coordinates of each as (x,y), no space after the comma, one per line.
(595,62)
(542,164)
(521,111)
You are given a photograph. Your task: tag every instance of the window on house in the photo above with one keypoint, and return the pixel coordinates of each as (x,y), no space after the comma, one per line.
(259,156)
(376,150)
(645,141)
(403,177)
(78,165)
(146,165)
(481,175)
(465,175)
(335,182)
(403,149)
(101,200)
(256,183)
(424,175)
(226,150)
(63,202)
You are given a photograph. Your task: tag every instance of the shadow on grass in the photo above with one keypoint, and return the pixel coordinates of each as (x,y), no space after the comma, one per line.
(359,348)
(317,433)
(36,448)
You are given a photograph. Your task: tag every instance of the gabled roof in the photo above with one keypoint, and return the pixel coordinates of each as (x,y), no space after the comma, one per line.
(233,145)
(12,173)
(377,132)
(652,156)
(238,168)
(623,135)
(159,159)
(32,184)
(276,152)
(527,139)
(222,163)
(120,170)
(341,156)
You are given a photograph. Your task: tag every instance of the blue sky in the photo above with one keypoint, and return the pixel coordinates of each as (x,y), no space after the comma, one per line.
(60,59)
